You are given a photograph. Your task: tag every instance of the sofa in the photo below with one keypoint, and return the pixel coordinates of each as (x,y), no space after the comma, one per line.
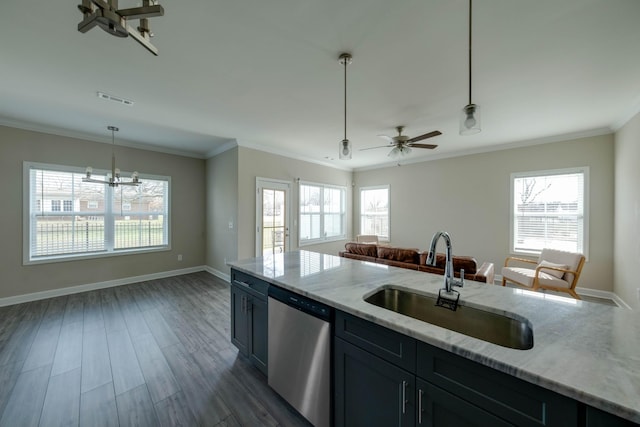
(415,259)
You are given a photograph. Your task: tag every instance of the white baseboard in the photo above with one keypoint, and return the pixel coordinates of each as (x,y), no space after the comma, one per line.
(219,274)
(19,299)
(588,292)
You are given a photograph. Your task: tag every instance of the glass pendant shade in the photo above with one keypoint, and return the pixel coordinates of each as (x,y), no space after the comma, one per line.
(345,149)
(470,119)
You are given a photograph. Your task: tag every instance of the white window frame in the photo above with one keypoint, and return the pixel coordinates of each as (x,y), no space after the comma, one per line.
(545,173)
(361,213)
(109,212)
(343,213)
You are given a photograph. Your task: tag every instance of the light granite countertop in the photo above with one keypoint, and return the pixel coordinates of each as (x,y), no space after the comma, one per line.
(587,351)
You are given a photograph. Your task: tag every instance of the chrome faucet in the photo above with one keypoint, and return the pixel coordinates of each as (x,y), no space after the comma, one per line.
(449,277)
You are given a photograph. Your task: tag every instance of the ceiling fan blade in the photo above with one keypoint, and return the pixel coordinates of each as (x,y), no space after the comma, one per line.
(425,136)
(387,138)
(429,146)
(379,146)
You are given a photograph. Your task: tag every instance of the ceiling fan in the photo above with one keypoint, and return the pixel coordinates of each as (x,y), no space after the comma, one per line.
(402,144)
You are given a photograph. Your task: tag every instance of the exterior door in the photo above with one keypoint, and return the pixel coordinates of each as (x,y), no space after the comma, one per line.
(272,216)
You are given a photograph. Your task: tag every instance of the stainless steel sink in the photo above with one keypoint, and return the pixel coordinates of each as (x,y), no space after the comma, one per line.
(485,325)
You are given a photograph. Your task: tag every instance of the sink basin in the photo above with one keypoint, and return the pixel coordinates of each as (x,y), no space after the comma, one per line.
(485,325)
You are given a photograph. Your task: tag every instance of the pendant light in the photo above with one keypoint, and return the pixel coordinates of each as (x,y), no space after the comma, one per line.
(115,179)
(345,145)
(470,114)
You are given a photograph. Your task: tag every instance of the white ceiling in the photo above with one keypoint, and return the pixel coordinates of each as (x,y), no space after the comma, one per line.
(265,73)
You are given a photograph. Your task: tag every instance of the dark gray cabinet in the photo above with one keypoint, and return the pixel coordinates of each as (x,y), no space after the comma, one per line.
(597,418)
(383,378)
(249,317)
(438,407)
(370,391)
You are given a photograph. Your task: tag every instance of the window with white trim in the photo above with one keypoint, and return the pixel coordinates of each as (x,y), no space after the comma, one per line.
(87,219)
(549,210)
(322,213)
(374,211)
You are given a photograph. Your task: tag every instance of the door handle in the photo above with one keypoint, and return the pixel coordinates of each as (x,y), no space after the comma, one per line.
(404,396)
(420,394)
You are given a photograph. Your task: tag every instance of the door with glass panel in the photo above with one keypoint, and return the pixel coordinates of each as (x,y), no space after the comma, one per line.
(272,216)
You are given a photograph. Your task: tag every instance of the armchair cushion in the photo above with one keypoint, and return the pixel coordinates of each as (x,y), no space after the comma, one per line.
(554,273)
(525,277)
(570,259)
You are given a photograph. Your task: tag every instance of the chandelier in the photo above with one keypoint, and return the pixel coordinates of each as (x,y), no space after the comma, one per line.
(115,179)
(106,15)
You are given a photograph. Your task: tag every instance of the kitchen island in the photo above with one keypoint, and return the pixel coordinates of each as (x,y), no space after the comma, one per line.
(585,351)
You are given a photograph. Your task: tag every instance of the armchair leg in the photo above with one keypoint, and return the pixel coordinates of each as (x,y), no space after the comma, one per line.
(574,294)
(504,282)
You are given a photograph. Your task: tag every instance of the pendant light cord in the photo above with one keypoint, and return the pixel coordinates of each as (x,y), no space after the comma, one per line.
(346,62)
(470,22)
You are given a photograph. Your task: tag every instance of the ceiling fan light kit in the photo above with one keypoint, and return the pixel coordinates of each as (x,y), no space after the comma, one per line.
(401,145)
(470,113)
(345,149)
(106,15)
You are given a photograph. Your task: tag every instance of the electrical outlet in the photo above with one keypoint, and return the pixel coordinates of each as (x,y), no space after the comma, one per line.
(638,294)
(179,257)
(225,261)
(230,225)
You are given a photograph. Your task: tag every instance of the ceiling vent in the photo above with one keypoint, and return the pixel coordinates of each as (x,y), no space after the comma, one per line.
(108,97)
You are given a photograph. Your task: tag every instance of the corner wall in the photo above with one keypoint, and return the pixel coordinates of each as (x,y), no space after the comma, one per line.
(627,213)
(222,210)
(468,196)
(187,212)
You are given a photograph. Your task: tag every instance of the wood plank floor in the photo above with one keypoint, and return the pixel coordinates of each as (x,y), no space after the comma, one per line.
(154,353)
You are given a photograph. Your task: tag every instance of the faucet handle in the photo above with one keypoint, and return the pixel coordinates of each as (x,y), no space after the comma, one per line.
(460,282)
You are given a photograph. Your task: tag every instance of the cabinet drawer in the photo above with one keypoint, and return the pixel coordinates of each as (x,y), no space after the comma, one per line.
(510,398)
(249,283)
(387,344)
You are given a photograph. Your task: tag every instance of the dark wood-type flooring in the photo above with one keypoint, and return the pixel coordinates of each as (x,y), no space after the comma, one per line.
(154,353)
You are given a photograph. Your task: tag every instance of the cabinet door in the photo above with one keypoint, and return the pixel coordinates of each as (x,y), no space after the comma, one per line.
(438,408)
(597,418)
(258,318)
(369,391)
(239,319)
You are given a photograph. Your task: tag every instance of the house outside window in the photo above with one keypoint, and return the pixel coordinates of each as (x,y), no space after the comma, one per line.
(374,211)
(549,209)
(86,219)
(322,213)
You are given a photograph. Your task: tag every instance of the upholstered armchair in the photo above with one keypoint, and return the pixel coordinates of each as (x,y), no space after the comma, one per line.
(554,270)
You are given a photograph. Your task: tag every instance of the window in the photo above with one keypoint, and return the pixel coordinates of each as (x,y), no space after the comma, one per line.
(86,219)
(549,210)
(374,211)
(322,213)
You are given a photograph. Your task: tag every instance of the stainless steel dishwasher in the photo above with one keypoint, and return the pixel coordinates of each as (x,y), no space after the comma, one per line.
(299,353)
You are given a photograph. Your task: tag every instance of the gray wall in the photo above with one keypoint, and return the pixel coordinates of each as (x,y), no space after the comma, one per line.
(252,164)
(468,196)
(187,212)
(627,212)
(222,208)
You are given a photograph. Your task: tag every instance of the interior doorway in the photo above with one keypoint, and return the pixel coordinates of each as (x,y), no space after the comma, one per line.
(272,216)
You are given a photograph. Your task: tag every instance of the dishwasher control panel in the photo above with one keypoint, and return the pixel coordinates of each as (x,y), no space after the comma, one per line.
(300,302)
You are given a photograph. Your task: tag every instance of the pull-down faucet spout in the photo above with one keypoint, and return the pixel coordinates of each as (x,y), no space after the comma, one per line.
(449,277)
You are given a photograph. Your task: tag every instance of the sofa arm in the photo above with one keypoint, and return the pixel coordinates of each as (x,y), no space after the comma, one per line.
(486,273)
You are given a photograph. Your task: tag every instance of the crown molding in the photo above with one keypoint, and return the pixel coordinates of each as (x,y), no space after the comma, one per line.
(492,148)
